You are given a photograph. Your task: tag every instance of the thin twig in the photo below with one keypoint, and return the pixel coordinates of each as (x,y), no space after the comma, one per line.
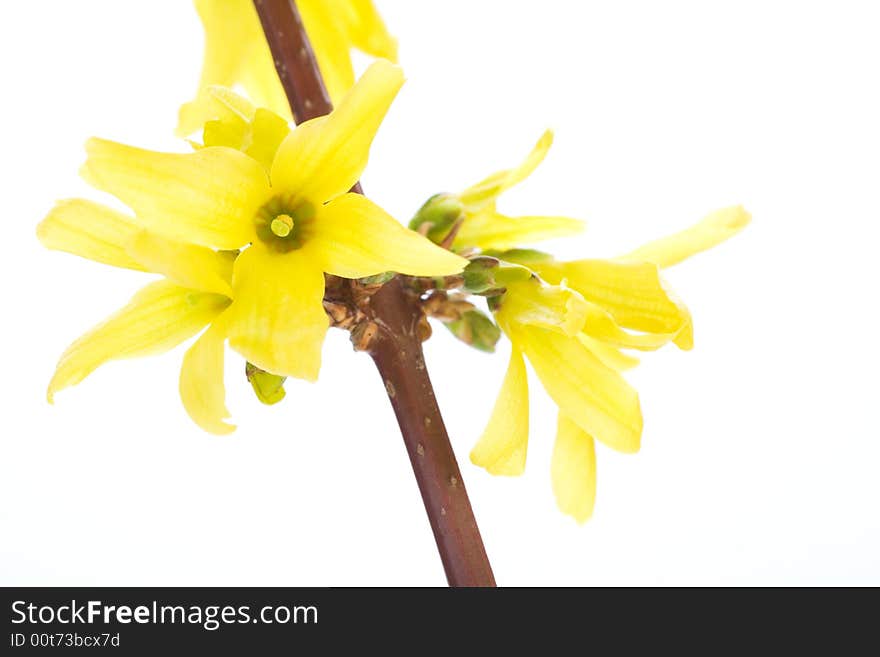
(396,348)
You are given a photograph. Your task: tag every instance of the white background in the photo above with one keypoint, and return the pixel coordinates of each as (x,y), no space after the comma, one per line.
(760,458)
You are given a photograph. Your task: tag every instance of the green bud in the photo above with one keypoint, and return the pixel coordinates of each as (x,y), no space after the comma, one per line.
(479,275)
(475,329)
(488,276)
(522,256)
(269,388)
(437,216)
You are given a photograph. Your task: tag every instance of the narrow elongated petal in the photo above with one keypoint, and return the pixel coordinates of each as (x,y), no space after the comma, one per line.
(323,158)
(188,265)
(711,231)
(354,237)
(503,445)
(484,193)
(600,324)
(92,231)
(573,470)
(235,52)
(633,293)
(209,197)
(368,32)
(325,22)
(593,395)
(202,388)
(277,320)
(158,318)
(548,306)
(610,356)
(489,229)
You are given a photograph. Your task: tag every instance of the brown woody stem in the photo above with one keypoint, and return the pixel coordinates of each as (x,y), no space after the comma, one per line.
(397,349)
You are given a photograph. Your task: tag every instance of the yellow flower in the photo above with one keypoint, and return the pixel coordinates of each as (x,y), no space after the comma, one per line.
(195,293)
(191,208)
(487,229)
(572,327)
(236,52)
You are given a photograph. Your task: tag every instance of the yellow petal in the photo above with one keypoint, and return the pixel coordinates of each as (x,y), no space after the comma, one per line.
(353,237)
(368,32)
(479,196)
(277,320)
(202,388)
(255,132)
(190,266)
(610,356)
(573,470)
(490,230)
(90,230)
(209,197)
(236,52)
(711,231)
(324,157)
(324,21)
(158,318)
(600,324)
(502,447)
(633,293)
(548,306)
(593,395)
(267,132)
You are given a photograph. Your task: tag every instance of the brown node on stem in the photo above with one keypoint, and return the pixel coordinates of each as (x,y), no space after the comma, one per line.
(445,306)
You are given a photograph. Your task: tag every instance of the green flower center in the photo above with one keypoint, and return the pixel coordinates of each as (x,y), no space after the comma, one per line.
(282,224)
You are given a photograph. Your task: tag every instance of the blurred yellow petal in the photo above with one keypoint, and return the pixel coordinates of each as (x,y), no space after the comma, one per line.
(633,293)
(548,306)
(610,356)
(236,52)
(490,230)
(503,445)
(209,197)
(277,320)
(594,396)
(190,266)
(323,158)
(711,231)
(484,193)
(573,470)
(158,318)
(368,32)
(356,238)
(330,43)
(90,230)
(202,388)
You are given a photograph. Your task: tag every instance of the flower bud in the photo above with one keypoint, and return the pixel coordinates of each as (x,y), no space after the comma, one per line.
(475,329)
(488,276)
(437,216)
(268,387)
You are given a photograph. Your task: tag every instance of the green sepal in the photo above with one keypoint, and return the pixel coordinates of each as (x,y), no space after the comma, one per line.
(377,279)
